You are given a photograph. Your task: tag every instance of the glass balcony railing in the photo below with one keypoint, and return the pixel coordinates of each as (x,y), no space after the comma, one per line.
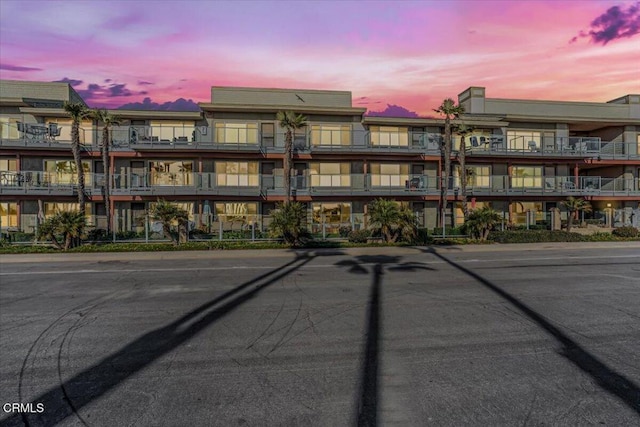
(193,183)
(41,135)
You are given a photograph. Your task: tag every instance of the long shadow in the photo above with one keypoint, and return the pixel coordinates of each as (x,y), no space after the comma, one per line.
(611,381)
(369,394)
(66,399)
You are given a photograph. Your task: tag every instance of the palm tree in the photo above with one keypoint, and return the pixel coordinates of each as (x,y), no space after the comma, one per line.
(574,206)
(463,130)
(481,222)
(167,213)
(108,120)
(70,225)
(450,110)
(291,122)
(289,222)
(78,112)
(392,220)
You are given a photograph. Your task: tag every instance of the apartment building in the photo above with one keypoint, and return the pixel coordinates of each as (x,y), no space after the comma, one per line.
(224,163)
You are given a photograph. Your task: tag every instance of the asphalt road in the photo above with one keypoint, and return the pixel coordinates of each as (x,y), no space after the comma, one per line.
(508,335)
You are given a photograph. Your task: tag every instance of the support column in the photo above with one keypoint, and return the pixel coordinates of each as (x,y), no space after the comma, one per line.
(576,172)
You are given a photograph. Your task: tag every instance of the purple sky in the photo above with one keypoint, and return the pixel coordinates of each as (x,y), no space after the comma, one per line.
(409,55)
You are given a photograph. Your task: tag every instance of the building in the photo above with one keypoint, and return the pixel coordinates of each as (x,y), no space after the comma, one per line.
(224,163)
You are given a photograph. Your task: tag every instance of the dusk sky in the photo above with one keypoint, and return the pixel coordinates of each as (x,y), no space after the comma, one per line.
(408,54)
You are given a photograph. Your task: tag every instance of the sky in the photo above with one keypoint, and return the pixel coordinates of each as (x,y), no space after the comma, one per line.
(399,58)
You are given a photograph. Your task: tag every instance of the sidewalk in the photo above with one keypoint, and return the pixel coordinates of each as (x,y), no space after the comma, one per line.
(286,253)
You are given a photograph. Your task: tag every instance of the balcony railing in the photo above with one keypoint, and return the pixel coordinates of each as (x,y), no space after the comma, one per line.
(552,147)
(43,135)
(194,183)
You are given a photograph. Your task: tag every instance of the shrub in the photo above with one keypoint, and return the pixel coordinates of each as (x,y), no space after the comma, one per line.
(344,230)
(535,236)
(453,231)
(626,231)
(289,222)
(359,236)
(97,234)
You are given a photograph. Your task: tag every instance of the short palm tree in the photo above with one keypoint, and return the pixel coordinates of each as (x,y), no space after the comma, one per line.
(449,110)
(391,220)
(107,120)
(463,130)
(481,222)
(574,206)
(167,214)
(291,122)
(78,112)
(69,225)
(289,222)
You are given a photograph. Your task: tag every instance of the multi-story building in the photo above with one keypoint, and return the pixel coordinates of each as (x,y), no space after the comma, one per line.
(225,162)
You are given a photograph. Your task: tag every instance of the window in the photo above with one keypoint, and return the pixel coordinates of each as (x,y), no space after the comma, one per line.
(187,206)
(526,177)
(389,175)
(237,211)
(330,174)
(52,208)
(62,172)
(8,215)
(9,128)
(86,130)
(172,130)
(389,136)
(520,210)
(237,174)
(331,135)
(331,213)
(477,176)
(524,140)
(171,172)
(236,133)
(10,165)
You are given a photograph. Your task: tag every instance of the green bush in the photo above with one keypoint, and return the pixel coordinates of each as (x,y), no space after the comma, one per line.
(454,231)
(344,231)
(359,236)
(626,231)
(535,236)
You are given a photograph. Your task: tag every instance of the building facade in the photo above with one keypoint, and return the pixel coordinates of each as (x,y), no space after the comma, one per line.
(224,163)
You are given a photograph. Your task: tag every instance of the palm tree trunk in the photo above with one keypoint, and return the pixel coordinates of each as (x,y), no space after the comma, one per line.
(107,175)
(462,158)
(75,149)
(444,190)
(288,155)
(570,221)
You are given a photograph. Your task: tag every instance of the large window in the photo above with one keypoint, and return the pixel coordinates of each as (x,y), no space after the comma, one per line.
(522,209)
(8,165)
(526,177)
(389,136)
(52,208)
(8,215)
(86,130)
(237,174)
(171,172)
(237,211)
(9,128)
(236,133)
(331,135)
(63,172)
(330,174)
(524,140)
(186,206)
(172,130)
(389,175)
(477,176)
(331,213)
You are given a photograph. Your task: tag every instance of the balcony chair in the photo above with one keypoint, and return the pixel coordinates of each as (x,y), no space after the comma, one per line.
(533,146)
(474,141)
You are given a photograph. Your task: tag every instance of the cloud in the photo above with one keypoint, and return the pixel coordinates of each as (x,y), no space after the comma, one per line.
(72,82)
(144,83)
(615,23)
(393,111)
(107,95)
(10,67)
(179,104)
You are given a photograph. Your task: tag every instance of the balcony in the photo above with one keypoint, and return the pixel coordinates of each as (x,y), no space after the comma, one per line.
(500,185)
(43,135)
(584,147)
(187,183)
(44,183)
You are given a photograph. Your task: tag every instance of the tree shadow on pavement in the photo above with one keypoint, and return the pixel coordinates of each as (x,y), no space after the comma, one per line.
(611,381)
(369,393)
(66,399)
